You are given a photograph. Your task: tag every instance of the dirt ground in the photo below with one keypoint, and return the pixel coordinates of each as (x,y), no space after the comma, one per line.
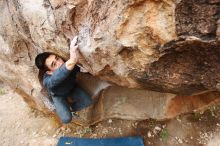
(20,126)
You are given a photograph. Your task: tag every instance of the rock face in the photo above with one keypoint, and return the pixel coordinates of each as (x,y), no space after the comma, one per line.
(139,104)
(166,46)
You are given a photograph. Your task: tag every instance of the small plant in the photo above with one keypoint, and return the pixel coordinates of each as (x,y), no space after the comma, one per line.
(212,110)
(2,92)
(164,134)
(152,123)
(84,131)
(197,115)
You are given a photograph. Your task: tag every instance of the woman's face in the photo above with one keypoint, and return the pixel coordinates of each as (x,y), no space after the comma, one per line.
(53,62)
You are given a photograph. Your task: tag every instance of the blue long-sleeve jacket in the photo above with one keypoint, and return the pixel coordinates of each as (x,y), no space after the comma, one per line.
(61,82)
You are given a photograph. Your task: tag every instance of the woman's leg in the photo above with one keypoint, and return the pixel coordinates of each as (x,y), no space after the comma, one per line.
(81,99)
(62,109)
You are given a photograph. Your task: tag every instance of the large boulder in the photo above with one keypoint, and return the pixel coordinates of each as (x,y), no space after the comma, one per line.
(165,46)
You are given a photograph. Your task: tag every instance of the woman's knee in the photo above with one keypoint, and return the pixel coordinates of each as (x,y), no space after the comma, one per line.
(66,118)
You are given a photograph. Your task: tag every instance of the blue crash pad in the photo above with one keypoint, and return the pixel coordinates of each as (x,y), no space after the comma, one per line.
(124,141)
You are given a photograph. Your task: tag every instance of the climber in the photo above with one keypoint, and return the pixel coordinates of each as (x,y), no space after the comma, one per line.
(60,81)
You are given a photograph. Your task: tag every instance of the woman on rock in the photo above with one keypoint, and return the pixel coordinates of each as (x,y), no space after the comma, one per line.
(60,80)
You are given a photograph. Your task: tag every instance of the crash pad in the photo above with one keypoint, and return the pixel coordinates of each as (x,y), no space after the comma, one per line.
(123,141)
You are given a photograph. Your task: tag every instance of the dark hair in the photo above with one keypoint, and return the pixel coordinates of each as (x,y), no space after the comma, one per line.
(40,60)
(40,63)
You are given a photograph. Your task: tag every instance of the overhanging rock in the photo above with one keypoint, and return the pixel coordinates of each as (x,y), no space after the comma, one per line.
(136,104)
(164,46)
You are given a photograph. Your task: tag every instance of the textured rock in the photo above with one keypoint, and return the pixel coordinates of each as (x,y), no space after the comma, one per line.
(138,104)
(166,46)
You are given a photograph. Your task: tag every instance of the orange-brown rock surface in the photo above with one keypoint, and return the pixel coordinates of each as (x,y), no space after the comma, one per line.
(166,46)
